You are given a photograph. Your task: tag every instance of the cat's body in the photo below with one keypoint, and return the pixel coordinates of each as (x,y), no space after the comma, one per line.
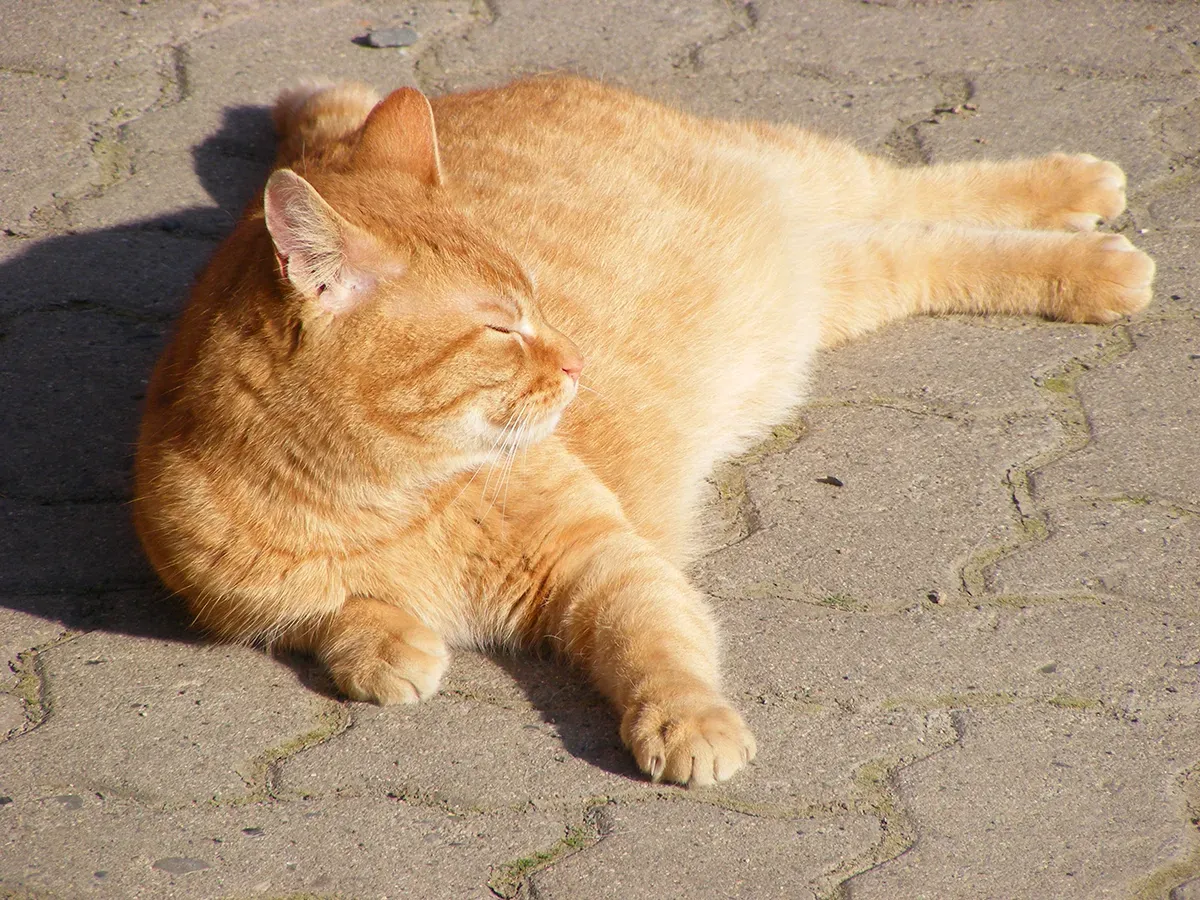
(315,463)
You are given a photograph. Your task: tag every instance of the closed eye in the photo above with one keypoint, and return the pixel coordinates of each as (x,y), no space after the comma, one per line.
(500,329)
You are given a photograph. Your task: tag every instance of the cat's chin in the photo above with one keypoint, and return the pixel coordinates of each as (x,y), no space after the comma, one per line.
(500,440)
(527,434)
(533,433)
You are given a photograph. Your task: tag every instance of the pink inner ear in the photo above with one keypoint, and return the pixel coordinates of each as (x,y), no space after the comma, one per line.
(319,252)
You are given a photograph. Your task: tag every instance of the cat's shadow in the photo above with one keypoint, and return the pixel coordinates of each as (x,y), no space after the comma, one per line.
(583,720)
(566,704)
(82,318)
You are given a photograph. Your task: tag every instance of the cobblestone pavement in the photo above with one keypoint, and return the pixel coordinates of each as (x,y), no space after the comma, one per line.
(972,667)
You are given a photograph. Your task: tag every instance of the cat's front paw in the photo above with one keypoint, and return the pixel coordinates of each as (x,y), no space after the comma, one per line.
(695,741)
(387,665)
(1080,191)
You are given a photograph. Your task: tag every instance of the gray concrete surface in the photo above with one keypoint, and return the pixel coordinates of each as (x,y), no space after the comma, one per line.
(972,668)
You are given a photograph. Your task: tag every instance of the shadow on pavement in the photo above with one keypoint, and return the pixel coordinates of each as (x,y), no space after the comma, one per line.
(82,319)
(583,720)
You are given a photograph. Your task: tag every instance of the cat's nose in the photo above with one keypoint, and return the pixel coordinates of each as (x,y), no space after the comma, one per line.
(572,364)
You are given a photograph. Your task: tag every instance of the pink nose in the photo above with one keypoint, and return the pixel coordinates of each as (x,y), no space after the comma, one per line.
(572,364)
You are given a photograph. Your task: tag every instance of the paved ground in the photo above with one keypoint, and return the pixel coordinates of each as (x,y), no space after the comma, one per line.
(972,668)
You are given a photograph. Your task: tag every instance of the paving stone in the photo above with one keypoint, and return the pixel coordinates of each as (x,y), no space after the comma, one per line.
(922,492)
(119,849)
(193,722)
(62,140)
(71,105)
(21,631)
(864,112)
(861,91)
(213,143)
(783,653)
(1071,37)
(12,715)
(1180,130)
(468,754)
(669,850)
(1114,119)
(1175,252)
(40,619)
(82,106)
(72,382)
(814,758)
(1140,410)
(626,42)
(1177,207)
(140,272)
(981,367)
(1135,550)
(1019,807)
(72,547)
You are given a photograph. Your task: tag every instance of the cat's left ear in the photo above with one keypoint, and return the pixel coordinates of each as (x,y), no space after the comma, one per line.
(399,134)
(325,257)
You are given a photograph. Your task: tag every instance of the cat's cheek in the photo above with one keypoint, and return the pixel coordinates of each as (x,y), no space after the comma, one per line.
(477,428)
(550,424)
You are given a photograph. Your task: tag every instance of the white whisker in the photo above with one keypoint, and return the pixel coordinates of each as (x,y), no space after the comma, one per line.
(519,442)
(508,426)
(592,390)
(474,474)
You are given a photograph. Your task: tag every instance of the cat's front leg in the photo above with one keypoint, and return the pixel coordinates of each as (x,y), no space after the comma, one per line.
(375,652)
(634,624)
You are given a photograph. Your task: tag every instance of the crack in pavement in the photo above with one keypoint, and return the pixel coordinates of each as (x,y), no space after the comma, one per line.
(1058,388)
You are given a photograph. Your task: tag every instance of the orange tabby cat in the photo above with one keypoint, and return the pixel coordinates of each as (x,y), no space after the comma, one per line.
(404,309)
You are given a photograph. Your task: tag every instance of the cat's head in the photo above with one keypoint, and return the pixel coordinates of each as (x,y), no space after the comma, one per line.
(414,314)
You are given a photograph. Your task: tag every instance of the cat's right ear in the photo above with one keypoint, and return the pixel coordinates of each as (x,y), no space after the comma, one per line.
(399,134)
(322,255)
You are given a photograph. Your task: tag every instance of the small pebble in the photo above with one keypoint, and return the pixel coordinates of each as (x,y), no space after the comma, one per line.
(391,37)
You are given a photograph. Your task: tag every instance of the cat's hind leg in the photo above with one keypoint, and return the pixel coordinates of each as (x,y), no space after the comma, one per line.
(876,274)
(374,651)
(1069,192)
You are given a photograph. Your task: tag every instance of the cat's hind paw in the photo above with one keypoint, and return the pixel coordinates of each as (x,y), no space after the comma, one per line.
(1113,280)
(695,741)
(1080,191)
